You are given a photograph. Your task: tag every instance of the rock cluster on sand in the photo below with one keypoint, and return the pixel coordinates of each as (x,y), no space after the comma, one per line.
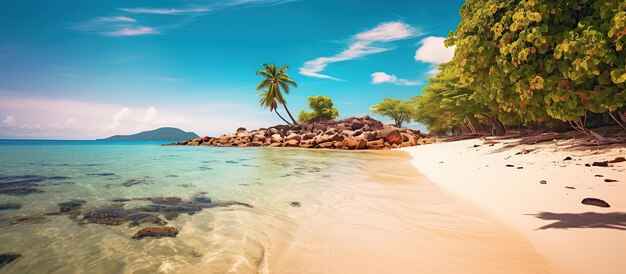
(350,133)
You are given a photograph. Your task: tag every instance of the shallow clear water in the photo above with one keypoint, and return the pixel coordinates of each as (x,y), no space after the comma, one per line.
(361,212)
(232,238)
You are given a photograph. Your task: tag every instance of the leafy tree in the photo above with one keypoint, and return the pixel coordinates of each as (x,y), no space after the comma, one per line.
(274,80)
(532,60)
(322,108)
(396,109)
(446,103)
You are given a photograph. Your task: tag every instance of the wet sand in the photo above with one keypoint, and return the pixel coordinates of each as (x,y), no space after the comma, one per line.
(399,222)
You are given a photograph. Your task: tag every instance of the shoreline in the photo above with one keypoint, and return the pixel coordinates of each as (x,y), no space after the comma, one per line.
(398,221)
(574,237)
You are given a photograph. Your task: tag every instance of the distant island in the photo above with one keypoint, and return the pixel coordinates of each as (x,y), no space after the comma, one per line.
(160,134)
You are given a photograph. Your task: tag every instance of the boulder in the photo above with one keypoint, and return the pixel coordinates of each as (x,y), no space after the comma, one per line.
(292,143)
(276,138)
(362,144)
(391,135)
(405,137)
(273,131)
(241,129)
(348,133)
(330,131)
(292,137)
(259,138)
(369,136)
(376,144)
(353,144)
(356,124)
(308,143)
(308,136)
(342,144)
(326,145)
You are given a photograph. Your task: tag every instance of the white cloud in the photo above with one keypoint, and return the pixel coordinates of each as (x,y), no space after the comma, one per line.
(9,121)
(118,118)
(381,77)
(387,32)
(132,31)
(112,19)
(167,11)
(72,119)
(150,116)
(433,50)
(363,44)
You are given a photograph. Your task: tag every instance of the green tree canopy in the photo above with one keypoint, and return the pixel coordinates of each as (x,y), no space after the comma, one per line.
(446,103)
(532,60)
(396,109)
(322,107)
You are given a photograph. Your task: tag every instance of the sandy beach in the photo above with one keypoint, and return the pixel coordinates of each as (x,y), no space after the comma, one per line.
(397,221)
(571,236)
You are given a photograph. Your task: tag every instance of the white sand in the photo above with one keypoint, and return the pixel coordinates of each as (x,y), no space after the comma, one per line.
(573,237)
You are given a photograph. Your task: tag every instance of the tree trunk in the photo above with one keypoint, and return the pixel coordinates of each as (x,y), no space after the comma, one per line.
(290,116)
(622,117)
(281,117)
(470,125)
(497,128)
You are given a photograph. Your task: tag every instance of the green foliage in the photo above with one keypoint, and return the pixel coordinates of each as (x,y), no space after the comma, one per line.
(322,107)
(275,82)
(396,109)
(532,60)
(446,103)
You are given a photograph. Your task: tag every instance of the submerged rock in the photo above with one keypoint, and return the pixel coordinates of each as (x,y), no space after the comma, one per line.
(7,258)
(22,185)
(71,205)
(105,216)
(138,181)
(22,219)
(157,232)
(144,217)
(104,174)
(7,206)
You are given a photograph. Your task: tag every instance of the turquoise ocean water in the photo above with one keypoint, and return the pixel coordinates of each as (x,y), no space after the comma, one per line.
(235,238)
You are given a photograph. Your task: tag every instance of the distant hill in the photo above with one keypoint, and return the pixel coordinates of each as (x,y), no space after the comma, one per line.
(160,134)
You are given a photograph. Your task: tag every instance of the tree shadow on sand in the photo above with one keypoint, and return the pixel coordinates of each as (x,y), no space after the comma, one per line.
(614,220)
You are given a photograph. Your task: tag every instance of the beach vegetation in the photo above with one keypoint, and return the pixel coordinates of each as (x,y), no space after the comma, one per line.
(321,106)
(532,63)
(398,110)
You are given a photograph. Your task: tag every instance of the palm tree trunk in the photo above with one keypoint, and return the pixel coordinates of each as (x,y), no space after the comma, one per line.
(281,117)
(290,116)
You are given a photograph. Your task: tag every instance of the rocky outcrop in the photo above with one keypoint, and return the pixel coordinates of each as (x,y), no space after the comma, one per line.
(350,134)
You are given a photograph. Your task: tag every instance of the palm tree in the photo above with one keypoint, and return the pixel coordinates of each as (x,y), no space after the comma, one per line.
(269,101)
(275,80)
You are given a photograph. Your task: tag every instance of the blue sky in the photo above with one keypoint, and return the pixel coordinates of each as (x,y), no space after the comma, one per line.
(87,69)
